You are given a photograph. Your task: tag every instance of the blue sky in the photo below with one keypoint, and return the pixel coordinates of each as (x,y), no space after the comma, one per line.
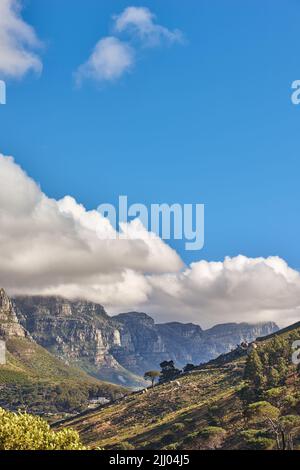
(208,121)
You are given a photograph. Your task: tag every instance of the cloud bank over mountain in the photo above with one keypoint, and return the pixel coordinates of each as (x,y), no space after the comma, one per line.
(50,246)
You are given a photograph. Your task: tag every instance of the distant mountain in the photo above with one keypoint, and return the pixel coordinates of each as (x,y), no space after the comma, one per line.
(145,344)
(35,380)
(121,348)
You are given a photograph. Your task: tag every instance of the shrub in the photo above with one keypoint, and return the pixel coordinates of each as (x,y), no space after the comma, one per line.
(21,431)
(257,439)
(167,439)
(213,436)
(173,446)
(179,426)
(125,445)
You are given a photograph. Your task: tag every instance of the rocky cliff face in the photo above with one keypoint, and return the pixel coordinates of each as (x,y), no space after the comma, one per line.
(31,376)
(72,329)
(79,332)
(145,344)
(113,348)
(9,325)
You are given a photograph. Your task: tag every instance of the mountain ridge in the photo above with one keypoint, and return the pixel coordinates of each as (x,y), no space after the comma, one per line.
(122,347)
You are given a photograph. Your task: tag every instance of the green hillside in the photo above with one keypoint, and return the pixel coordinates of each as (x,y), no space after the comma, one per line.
(244,400)
(36,381)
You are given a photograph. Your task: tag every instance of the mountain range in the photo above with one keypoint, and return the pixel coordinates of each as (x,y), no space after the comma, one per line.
(120,349)
(56,349)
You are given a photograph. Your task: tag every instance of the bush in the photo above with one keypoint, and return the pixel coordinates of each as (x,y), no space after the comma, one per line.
(210,431)
(179,427)
(213,436)
(192,435)
(167,439)
(21,431)
(262,443)
(173,446)
(257,439)
(125,445)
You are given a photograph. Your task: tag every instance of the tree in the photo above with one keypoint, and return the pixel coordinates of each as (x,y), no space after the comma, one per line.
(257,439)
(168,371)
(283,427)
(274,377)
(188,368)
(152,375)
(288,426)
(264,412)
(276,396)
(254,370)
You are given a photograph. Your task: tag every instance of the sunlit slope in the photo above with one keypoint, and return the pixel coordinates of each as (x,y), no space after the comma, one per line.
(201,410)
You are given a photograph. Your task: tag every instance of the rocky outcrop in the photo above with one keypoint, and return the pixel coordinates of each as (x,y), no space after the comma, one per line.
(72,330)
(79,332)
(115,348)
(9,324)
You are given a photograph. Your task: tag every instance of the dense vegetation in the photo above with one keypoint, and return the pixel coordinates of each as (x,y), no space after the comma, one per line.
(25,432)
(270,396)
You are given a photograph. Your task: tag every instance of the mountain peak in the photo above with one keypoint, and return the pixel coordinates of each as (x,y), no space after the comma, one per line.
(134,317)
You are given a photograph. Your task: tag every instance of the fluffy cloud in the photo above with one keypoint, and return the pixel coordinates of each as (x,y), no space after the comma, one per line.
(113,57)
(140,21)
(237,289)
(110,59)
(52,246)
(17,42)
(58,247)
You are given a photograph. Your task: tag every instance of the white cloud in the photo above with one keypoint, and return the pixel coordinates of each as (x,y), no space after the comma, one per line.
(52,247)
(113,57)
(18,41)
(140,21)
(110,59)
(237,289)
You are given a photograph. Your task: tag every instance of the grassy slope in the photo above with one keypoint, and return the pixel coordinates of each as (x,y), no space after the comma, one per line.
(36,380)
(173,415)
(150,420)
